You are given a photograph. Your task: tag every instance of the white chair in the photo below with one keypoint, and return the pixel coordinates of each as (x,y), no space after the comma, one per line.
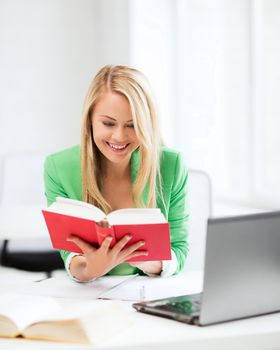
(26,241)
(200,204)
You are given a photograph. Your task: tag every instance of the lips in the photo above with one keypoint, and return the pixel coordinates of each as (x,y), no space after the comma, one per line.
(117,148)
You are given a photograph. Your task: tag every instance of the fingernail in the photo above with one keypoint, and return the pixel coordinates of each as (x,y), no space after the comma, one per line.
(142,242)
(109,238)
(128,236)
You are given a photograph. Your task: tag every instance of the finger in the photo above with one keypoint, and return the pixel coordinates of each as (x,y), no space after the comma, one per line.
(83,245)
(106,243)
(121,243)
(133,247)
(136,254)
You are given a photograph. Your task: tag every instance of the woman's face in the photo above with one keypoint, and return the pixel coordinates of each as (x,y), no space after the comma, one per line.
(113,129)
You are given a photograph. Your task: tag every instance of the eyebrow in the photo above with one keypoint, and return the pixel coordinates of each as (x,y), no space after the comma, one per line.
(106,116)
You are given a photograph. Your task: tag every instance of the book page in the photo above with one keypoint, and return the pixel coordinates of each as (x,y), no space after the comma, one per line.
(76,208)
(28,310)
(19,308)
(136,216)
(83,322)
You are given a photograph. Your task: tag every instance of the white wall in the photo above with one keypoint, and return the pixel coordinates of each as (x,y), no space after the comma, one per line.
(214,65)
(49,52)
(214,95)
(269,86)
(152,50)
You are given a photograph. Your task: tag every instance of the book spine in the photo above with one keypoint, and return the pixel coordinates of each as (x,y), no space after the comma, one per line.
(102,232)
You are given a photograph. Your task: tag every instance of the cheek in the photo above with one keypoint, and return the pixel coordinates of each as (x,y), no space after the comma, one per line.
(99,134)
(134,138)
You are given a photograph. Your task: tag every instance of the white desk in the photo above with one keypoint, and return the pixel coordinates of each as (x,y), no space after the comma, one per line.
(155,333)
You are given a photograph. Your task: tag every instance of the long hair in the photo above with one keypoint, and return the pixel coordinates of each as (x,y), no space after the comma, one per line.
(133,85)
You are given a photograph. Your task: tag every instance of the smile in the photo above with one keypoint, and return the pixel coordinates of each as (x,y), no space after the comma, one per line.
(117,148)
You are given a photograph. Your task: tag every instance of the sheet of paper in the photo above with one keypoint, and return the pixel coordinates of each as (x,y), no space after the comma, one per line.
(131,288)
(64,287)
(149,288)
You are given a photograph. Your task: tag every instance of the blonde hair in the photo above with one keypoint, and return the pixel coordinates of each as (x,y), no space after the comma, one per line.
(133,85)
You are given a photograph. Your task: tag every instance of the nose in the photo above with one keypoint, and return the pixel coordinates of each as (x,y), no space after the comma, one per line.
(119,134)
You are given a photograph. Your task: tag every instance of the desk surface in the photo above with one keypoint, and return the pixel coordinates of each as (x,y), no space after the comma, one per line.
(155,333)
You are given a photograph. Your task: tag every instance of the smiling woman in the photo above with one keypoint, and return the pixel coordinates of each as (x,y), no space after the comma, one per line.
(121,163)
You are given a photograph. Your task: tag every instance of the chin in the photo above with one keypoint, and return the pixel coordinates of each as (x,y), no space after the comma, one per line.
(116,158)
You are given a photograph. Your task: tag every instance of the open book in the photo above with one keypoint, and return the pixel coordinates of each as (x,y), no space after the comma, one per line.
(45,318)
(67,216)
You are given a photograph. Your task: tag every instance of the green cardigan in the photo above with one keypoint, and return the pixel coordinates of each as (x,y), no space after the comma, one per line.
(62,178)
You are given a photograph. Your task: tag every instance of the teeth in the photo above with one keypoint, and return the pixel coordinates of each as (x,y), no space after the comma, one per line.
(117,147)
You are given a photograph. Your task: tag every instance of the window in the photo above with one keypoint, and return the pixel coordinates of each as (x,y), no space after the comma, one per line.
(215,68)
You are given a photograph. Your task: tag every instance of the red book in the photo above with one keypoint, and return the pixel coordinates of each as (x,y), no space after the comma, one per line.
(67,216)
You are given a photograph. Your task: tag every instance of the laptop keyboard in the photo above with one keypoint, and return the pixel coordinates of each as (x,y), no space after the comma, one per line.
(183,304)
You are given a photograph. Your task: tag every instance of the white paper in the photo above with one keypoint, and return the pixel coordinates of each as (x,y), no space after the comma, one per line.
(133,288)
(149,288)
(64,287)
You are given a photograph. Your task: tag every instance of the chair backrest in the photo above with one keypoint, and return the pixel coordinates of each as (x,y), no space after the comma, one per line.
(200,204)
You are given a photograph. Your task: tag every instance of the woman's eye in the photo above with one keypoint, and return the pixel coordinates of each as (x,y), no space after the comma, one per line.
(108,124)
(130,126)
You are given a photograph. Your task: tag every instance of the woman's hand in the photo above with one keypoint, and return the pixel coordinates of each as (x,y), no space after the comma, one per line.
(149,267)
(96,262)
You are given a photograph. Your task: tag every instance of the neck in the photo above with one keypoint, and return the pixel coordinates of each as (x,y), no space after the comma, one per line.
(117,171)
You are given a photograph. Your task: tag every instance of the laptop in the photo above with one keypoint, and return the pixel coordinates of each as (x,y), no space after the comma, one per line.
(241,273)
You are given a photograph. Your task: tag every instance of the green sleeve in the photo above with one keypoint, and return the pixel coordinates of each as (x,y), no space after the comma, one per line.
(178,214)
(53,189)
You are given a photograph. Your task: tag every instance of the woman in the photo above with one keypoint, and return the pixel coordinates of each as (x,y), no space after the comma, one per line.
(121,164)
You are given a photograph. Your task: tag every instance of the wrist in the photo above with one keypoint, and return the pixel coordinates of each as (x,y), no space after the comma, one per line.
(153,269)
(78,269)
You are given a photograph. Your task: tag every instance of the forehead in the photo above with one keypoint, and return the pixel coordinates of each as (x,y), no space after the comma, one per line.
(114,105)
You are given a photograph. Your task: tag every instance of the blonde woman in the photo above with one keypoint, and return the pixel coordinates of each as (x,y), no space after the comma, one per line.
(121,163)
